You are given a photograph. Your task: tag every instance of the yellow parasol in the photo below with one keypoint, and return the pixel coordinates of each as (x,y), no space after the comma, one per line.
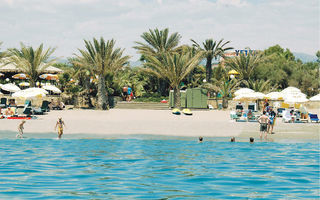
(233,72)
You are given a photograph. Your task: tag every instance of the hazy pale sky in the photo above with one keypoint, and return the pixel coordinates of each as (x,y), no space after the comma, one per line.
(257,24)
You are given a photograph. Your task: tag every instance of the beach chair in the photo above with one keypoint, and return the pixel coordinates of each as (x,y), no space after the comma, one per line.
(233,115)
(280,111)
(27,111)
(3,103)
(27,103)
(313,118)
(44,108)
(286,117)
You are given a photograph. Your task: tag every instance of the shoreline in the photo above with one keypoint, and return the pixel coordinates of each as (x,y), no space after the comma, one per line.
(121,122)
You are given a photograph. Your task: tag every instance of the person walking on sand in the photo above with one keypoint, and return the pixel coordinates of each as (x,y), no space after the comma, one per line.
(20,129)
(263,120)
(60,123)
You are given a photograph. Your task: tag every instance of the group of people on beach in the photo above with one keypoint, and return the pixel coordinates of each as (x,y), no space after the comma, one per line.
(60,125)
(127,93)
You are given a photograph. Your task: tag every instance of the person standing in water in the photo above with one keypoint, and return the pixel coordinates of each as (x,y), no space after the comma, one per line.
(60,123)
(20,129)
(263,120)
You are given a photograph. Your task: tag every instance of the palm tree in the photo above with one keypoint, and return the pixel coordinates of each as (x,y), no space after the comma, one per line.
(102,57)
(260,85)
(244,65)
(156,43)
(32,61)
(173,67)
(212,49)
(224,87)
(2,54)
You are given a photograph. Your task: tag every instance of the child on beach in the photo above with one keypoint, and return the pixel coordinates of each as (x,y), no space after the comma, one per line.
(20,129)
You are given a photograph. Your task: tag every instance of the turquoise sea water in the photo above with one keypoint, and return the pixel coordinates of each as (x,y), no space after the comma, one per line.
(150,168)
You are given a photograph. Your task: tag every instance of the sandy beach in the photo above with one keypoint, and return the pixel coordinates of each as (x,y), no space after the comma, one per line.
(158,122)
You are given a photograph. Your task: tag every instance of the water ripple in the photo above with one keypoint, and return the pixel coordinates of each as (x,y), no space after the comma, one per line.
(157,169)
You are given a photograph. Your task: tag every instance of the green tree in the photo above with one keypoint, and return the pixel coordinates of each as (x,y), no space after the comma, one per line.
(32,61)
(102,57)
(260,85)
(244,65)
(157,42)
(173,67)
(223,86)
(211,49)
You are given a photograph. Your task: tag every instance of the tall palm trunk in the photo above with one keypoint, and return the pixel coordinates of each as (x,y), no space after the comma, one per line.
(225,102)
(102,94)
(176,97)
(87,92)
(209,69)
(32,83)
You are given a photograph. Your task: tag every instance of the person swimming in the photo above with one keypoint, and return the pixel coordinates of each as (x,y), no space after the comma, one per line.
(20,129)
(60,123)
(233,139)
(251,140)
(200,139)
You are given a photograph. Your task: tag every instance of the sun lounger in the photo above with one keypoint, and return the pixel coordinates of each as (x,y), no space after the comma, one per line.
(3,103)
(313,117)
(27,111)
(44,108)
(286,117)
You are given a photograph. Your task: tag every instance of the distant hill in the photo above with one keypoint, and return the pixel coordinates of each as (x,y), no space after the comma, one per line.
(305,57)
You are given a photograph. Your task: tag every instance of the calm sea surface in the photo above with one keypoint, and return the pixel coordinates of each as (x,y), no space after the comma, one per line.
(150,168)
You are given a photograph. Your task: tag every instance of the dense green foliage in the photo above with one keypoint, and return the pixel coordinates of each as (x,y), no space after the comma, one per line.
(101,69)
(32,61)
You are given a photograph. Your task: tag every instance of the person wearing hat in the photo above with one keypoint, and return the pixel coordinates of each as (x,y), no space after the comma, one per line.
(60,123)
(20,129)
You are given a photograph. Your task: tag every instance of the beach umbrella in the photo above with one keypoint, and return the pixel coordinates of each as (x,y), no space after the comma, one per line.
(49,76)
(1,74)
(243,91)
(21,76)
(24,84)
(10,87)
(292,99)
(274,96)
(233,72)
(34,89)
(52,88)
(291,91)
(28,94)
(315,98)
(250,96)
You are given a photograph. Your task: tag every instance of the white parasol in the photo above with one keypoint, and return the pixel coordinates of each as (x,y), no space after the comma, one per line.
(250,96)
(24,84)
(10,87)
(30,93)
(52,88)
(242,91)
(274,96)
(315,98)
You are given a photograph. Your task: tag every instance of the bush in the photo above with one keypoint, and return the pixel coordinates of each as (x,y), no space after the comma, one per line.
(150,97)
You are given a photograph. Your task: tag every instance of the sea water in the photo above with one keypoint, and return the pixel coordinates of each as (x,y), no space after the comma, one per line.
(150,168)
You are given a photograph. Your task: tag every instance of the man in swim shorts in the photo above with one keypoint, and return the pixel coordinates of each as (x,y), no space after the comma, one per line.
(20,129)
(263,120)
(60,123)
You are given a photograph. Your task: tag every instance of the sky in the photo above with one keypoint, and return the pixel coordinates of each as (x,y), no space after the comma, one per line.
(64,24)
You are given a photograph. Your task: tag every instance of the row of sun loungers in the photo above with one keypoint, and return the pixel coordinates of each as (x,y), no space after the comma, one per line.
(287,117)
(13,111)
